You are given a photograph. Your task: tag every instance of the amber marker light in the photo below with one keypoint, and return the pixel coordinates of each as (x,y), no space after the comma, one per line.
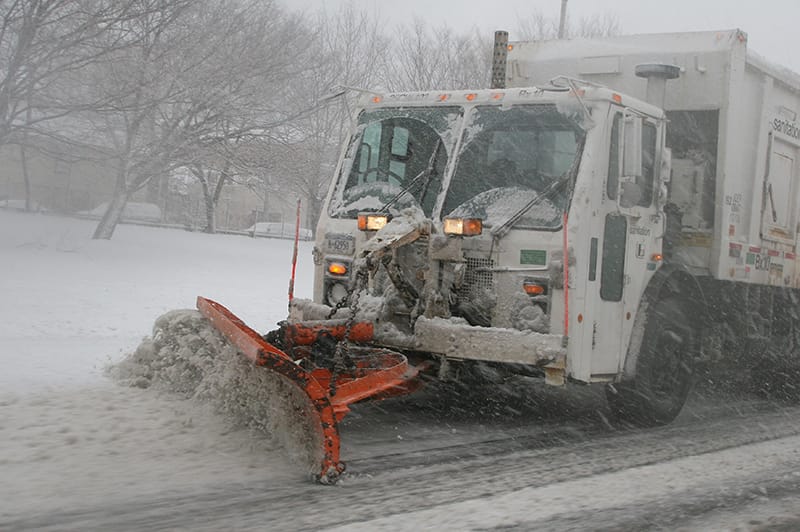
(337,268)
(377,99)
(657,257)
(533,289)
(616,97)
(471,96)
(372,222)
(463,226)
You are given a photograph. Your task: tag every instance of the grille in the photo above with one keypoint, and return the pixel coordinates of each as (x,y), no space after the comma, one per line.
(478,278)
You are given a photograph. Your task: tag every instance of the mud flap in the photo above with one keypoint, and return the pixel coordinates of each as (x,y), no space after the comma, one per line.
(375,372)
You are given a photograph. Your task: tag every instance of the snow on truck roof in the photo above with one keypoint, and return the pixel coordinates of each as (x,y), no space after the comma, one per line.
(657,44)
(637,44)
(518,95)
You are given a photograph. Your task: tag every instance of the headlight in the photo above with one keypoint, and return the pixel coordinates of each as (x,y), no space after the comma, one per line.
(463,226)
(372,222)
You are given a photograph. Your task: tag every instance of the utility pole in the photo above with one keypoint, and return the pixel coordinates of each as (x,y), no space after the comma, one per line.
(563,20)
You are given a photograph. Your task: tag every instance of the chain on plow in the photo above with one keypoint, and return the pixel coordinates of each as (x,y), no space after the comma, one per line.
(341,355)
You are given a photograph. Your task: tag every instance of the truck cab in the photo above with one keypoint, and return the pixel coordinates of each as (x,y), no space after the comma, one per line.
(515,225)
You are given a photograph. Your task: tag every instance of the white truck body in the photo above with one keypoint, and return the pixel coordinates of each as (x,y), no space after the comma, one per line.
(679,219)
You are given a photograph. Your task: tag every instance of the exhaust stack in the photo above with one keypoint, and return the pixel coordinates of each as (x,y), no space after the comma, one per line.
(657,75)
(499,59)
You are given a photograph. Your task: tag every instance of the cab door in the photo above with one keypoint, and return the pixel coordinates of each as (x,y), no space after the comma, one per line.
(626,243)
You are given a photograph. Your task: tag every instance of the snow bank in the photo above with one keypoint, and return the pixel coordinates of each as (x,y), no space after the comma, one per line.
(187,356)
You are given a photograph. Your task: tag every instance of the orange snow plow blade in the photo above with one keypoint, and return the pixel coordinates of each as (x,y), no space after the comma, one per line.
(374,372)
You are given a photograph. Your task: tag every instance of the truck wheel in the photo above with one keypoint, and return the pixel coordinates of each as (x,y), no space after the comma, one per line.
(663,377)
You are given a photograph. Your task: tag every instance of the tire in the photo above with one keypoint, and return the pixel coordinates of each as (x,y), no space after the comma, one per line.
(664,369)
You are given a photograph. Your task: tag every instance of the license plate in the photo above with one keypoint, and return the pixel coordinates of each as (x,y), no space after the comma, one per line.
(340,244)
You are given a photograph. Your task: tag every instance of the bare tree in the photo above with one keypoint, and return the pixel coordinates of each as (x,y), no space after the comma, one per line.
(604,25)
(44,44)
(135,85)
(425,58)
(349,52)
(256,59)
(189,86)
(537,26)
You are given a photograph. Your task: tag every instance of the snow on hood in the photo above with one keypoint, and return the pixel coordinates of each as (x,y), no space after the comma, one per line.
(497,205)
(374,195)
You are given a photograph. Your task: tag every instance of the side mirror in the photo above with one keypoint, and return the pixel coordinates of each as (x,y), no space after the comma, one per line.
(632,148)
(666,165)
(664,177)
(630,192)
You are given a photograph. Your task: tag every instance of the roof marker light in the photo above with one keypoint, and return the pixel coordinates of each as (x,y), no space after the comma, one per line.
(471,96)
(377,99)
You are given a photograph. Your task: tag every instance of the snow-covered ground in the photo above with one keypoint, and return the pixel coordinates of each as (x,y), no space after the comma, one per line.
(71,306)
(79,451)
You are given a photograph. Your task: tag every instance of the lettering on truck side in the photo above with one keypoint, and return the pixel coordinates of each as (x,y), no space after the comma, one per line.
(786,127)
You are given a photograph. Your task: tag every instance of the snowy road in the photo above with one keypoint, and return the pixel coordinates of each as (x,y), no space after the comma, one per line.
(565,472)
(80,452)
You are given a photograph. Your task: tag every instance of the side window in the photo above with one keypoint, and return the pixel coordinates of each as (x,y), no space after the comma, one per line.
(613,159)
(612,272)
(368,152)
(384,145)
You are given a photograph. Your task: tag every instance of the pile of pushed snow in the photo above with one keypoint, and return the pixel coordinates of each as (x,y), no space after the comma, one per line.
(187,356)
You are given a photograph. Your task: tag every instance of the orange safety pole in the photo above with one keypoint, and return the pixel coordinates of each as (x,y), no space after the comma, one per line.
(294,257)
(566,279)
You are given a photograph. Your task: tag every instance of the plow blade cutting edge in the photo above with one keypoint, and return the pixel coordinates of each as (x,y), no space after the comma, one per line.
(376,372)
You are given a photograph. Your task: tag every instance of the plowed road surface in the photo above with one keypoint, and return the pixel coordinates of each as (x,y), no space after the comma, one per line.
(113,458)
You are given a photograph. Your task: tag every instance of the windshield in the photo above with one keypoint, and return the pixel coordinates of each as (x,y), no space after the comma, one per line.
(398,156)
(515,159)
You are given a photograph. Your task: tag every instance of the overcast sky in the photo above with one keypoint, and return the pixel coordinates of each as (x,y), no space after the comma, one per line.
(773,26)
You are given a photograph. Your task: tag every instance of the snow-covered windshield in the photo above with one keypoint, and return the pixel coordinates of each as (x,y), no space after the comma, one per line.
(398,155)
(513,157)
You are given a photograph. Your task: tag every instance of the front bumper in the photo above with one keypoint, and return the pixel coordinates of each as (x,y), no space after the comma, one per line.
(459,340)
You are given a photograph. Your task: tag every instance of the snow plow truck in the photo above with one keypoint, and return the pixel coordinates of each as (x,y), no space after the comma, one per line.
(611,211)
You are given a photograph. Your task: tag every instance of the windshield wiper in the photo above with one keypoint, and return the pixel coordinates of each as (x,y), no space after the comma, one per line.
(502,229)
(554,187)
(424,176)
